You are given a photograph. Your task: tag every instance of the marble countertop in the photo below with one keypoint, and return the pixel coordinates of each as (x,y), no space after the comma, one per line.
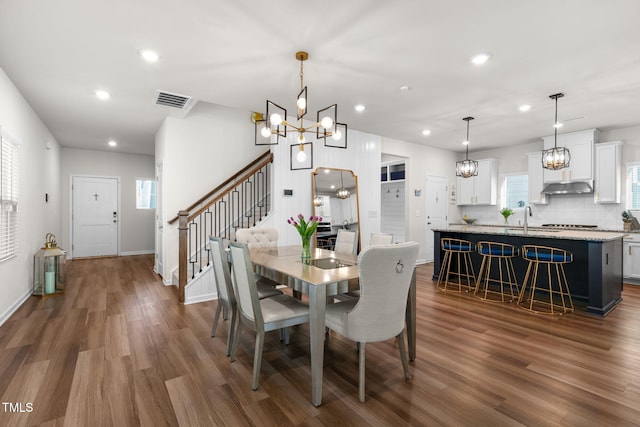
(538,232)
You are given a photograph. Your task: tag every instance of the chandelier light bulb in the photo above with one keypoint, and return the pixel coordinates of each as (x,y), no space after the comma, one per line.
(326,122)
(276,119)
(337,135)
(301,140)
(301,156)
(265,132)
(301,103)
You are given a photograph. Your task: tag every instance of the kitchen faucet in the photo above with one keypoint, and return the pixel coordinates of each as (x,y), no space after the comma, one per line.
(526,224)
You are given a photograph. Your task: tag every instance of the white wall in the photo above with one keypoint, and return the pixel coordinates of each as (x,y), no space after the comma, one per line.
(420,160)
(362,156)
(564,209)
(199,152)
(203,149)
(39,173)
(136,225)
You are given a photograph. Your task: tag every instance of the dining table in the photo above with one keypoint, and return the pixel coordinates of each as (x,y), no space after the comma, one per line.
(326,274)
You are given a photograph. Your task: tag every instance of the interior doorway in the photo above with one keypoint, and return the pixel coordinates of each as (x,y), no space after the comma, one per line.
(94,216)
(436,200)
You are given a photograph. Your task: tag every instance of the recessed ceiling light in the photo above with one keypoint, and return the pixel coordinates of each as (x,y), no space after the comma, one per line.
(149,55)
(465,142)
(405,88)
(102,94)
(426,132)
(558,125)
(480,58)
(359,108)
(112,143)
(524,108)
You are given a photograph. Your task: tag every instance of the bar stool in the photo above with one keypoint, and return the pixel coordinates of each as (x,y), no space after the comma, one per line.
(501,256)
(460,250)
(552,296)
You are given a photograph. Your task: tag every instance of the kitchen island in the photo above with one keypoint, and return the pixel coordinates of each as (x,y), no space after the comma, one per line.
(594,276)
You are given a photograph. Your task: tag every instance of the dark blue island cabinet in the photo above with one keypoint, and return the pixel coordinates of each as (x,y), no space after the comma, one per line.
(594,276)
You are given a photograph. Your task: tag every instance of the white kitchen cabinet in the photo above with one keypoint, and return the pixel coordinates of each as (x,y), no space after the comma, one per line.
(580,145)
(536,183)
(608,167)
(631,257)
(481,189)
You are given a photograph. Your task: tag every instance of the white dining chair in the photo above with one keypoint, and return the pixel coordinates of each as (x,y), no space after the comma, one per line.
(381,239)
(261,315)
(226,295)
(379,314)
(346,242)
(258,237)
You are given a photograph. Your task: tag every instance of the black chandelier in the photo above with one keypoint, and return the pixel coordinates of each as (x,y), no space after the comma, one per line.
(467,168)
(556,158)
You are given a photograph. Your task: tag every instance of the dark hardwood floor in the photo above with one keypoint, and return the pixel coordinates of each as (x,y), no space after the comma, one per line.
(118,350)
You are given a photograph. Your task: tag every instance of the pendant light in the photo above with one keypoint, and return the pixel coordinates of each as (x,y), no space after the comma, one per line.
(467,168)
(556,158)
(317,199)
(342,192)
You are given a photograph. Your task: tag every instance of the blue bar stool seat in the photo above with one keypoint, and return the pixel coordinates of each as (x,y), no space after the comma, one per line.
(547,294)
(457,252)
(498,256)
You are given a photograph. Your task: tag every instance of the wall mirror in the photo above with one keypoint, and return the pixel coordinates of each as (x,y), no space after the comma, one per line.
(335,199)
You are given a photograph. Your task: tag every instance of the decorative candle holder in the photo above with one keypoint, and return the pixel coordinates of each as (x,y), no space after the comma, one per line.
(48,269)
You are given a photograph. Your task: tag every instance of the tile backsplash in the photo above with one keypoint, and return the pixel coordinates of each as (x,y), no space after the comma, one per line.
(562,209)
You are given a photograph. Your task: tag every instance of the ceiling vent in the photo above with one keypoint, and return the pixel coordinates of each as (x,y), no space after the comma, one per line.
(173,100)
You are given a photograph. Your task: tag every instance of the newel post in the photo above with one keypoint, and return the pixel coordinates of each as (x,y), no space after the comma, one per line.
(182,253)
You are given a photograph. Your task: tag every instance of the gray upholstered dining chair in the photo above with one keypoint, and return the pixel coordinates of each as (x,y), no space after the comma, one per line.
(226,296)
(379,314)
(259,237)
(381,239)
(264,315)
(346,242)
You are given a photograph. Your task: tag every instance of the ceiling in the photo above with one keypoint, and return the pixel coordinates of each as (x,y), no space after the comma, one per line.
(236,54)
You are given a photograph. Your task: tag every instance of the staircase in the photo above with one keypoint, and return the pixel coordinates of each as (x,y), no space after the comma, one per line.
(240,202)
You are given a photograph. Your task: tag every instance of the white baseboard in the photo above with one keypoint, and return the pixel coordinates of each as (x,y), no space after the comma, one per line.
(5,316)
(137,253)
(201,298)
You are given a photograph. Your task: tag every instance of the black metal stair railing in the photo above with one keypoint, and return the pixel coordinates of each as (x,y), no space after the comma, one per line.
(240,202)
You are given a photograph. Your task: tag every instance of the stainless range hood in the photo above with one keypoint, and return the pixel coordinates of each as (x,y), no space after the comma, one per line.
(574,187)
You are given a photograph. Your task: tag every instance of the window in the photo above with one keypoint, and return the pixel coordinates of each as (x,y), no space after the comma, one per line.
(515,191)
(8,197)
(145,194)
(633,186)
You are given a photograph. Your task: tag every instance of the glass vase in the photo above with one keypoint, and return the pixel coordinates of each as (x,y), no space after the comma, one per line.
(306,250)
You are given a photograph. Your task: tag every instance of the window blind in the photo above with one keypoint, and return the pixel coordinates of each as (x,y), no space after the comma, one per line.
(8,197)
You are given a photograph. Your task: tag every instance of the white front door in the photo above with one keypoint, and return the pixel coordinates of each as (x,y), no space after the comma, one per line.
(94,216)
(436,199)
